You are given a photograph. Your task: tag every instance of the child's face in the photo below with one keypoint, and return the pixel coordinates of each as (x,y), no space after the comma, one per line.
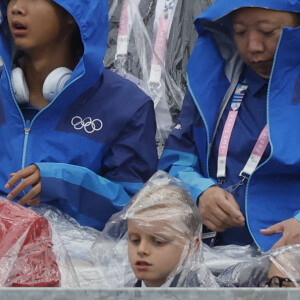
(287,262)
(37,24)
(153,255)
(275,272)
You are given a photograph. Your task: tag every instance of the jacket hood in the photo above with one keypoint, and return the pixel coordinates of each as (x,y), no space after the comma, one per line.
(92,19)
(219,11)
(215,46)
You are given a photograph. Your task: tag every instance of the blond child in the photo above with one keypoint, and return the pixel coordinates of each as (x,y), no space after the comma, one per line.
(160,229)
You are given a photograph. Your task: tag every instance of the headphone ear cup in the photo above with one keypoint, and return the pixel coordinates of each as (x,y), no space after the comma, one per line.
(55,82)
(19,86)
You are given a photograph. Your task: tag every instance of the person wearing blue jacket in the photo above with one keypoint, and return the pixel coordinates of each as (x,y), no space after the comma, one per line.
(236,141)
(74,135)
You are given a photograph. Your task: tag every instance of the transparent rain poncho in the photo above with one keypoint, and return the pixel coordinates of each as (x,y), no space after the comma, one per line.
(219,258)
(164,216)
(149,43)
(275,268)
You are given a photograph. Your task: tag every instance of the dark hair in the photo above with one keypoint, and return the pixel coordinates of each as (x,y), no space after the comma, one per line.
(297,19)
(76,43)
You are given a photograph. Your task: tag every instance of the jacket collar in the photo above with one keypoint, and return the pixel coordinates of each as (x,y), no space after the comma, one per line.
(254,81)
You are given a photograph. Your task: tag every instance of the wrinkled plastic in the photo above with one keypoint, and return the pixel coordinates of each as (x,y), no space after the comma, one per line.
(77,241)
(283,262)
(133,49)
(42,247)
(165,211)
(27,258)
(219,258)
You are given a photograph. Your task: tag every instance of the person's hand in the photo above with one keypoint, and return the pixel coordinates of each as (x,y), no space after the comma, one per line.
(219,210)
(29,176)
(290,230)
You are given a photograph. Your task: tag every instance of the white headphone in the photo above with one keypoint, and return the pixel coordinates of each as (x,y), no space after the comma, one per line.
(53,84)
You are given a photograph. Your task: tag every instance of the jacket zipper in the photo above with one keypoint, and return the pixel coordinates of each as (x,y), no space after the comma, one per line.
(26,131)
(258,167)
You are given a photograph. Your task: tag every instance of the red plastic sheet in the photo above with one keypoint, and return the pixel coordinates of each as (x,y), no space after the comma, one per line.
(26,255)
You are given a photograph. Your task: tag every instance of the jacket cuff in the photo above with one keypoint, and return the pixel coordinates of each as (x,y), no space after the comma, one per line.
(297,215)
(205,184)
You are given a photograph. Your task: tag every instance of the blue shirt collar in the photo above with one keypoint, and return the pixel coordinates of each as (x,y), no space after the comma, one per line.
(254,81)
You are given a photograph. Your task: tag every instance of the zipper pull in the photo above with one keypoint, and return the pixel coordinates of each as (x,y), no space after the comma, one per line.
(27,127)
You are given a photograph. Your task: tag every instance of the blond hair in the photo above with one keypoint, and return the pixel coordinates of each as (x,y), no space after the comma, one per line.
(167,202)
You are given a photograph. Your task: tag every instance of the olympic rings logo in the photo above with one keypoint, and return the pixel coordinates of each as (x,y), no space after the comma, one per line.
(88,124)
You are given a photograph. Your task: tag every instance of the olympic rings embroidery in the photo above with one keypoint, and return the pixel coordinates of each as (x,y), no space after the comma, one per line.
(88,124)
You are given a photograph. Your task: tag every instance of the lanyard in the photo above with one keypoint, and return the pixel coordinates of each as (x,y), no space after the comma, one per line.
(260,145)
(124,30)
(160,46)
(159,53)
(257,153)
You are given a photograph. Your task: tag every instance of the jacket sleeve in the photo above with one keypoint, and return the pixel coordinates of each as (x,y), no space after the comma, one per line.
(92,198)
(297,215)
(181,157)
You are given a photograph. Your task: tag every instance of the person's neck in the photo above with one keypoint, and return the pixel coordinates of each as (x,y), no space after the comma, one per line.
(36,68)
(166,283)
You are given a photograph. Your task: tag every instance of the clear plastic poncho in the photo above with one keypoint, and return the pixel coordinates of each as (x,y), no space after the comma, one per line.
(275,268)
(219,258)
(149,43)
(164,216)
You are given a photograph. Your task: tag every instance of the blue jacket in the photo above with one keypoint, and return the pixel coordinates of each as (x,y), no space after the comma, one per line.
(88,172)
(273,190)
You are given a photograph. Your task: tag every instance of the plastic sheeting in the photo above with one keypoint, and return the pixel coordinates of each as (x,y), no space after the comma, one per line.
(26,255)
(155,238)
(219,258)
(34,246)
(149,43)
(77,241)
(281,266)
(31,255)
(43,247)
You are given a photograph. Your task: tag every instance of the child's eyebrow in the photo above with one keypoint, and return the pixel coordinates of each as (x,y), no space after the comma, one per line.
(161,236)
(131,233)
